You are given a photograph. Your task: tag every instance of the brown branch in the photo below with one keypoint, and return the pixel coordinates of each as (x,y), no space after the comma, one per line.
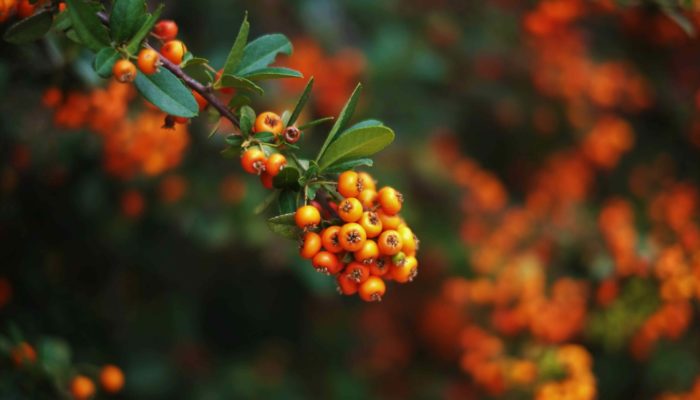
(192,83)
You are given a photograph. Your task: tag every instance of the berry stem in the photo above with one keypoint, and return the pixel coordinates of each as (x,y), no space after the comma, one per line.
(191,82)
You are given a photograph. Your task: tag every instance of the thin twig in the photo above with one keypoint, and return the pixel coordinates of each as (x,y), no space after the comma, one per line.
(193,84)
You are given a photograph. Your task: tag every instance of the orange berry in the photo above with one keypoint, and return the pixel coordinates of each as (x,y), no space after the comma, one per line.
(174,51)
(201,101)
(275,163)
(368,253)
(331,239)
(405,270)
(389,243)
(410,243)
(380,266)
(253,161)
(310,245)
(371,223)
(307,217)
(367,181)
(82,387)
(388,221)
(148,61)
(349,184)
(327,263)
(111,379)
(266,180)
(390,200)
(124,71)
(350,209)
(268,122)
(357,272)
(165,30)
(25,9)
(368,198)
(346,285)
(352,236)
(372,289)
(23,353)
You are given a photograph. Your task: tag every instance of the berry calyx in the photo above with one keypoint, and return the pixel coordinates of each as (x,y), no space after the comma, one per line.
(357,272)
(330,237)
(371,223)
(389,243)
(352,236)
(350,210)
(124,71)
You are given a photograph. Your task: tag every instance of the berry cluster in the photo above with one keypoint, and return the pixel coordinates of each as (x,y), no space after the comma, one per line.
(361,240)
(255,160)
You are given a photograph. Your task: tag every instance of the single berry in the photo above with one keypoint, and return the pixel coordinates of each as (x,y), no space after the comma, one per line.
(275,163)
(310,245)
(350,210)
(124,71)
(174,51)
(268,122)
(349,184)
(111,379)
(352,236)
(372,289)
(307,217)
(389,243)
(253,161)
(165,30)
(148,61)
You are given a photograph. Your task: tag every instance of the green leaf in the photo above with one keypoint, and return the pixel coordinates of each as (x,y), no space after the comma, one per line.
(194,61)
(29,29)
(284,225)
(342,120)
(272,73)
(104,61)
(55,355)
(236,53)
(366,123)
(311,191)
(238,82)
(350,164)
(262,51)
(199,72)
(265,137)
(231,152)
(151,19)
(301,103)
(357,143)
(168,93)
(287,201)
(315,122)
(126,18)
(61,22)
(234,140)
(92,33)
(288,178)
(247,118)
(260,208)
(238,101)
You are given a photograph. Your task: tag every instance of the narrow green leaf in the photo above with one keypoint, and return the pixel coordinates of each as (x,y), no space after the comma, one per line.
(350,164)
(315,122)
(301,103)
(29,29)
(262,51)
(104,61)
(61,22)
(265,137)
(357,143)
(238,82)
(342,120)
(199,72)
(194,61)
(92,33)
(284,225)
(311,191)
(247,118)
(231,152)
(238,101)
(168,93)
(288,178)
(677,16)
(236,53)
(365,123)
(234,140)
(272,73)
(151,19)
(126,18)
(260,208)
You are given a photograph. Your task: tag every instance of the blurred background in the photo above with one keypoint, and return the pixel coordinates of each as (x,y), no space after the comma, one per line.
(548,152)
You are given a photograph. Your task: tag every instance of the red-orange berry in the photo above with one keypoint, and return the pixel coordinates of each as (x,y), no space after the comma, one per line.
(371,223)
(174,51)
(405,270)
(181,120)
(275,163)
(368,253)
(327,263)
(307,217)
(409,240)
(111,379)
(292,134)
(349,184)
(368,198)
(350,209)
(202,103)
(82,388)
(372,289)
(346,285)
(23,353)
(357,272)
(330,237)
(367,181)
(390,200)
(310,245)
(253,161)
(380,266)
(352,236)
(266,180)
(268,122)
(124,71)
(389,243)
(388,221)
(25,9)
(148,61)
(165,30)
